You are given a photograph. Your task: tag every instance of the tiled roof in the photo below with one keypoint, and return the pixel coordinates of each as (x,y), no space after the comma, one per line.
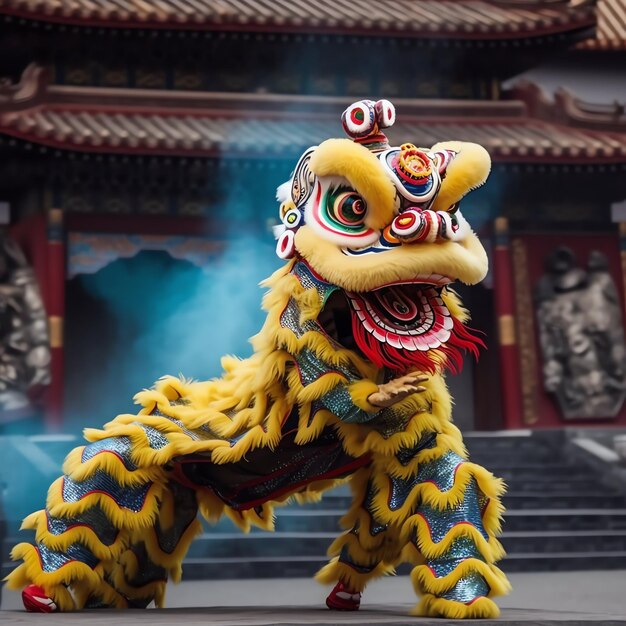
(611,29)
(465,19)
(184,124)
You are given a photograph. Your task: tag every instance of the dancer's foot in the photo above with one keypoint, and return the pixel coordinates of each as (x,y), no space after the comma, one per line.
(36,600)
(343,599)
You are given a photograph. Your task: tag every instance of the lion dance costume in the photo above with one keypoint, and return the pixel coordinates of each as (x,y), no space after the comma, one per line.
(346,382)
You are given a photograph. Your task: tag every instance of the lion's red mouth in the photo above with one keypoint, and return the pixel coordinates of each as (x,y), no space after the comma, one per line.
(409,316)
(408,325)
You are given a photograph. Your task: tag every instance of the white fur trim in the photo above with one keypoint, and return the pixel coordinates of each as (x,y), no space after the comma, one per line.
(283,193)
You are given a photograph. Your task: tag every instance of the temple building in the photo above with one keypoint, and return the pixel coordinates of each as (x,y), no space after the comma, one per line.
(130,128)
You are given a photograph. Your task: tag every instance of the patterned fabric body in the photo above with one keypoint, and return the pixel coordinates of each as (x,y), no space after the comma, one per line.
(119,522)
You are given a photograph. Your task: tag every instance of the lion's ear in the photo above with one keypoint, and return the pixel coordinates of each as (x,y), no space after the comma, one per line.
(468,170)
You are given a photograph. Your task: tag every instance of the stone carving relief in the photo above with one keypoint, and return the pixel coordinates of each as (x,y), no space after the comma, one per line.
(24,343)
(581,333)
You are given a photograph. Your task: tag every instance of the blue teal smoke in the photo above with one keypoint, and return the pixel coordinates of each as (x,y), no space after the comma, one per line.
(157,317)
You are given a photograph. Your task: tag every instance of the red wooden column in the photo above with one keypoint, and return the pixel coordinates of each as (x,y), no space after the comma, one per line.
(504,293)
(622,248)
(56,313)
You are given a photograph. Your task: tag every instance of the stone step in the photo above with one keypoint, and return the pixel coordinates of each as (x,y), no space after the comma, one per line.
(561,500)
(563,484)
(523,542)
(294,566)
(515,468)
(320,521)
(327,520)
(564,561)
(504,439)
(216,544)
(224,545)
(565,519)
(601,498)
(241,567)
(509,459)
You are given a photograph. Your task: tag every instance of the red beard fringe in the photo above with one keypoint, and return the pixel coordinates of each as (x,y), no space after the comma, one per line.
(447,356)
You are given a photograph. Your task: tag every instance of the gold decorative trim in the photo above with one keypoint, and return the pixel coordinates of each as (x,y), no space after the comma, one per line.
(623,255)
(55,217)
(622,236)
(55,327)
(525,332)
(501,225)
(506,330)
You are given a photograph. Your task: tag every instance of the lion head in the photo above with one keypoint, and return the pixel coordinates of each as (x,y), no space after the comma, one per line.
(383,225)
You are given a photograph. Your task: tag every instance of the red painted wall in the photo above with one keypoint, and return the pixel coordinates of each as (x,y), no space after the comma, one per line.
(31,235)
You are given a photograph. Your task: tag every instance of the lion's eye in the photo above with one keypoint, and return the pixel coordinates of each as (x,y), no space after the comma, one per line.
(338,213)
(347,209)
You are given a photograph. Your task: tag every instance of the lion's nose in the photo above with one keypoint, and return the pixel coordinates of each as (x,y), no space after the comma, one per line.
(416,225)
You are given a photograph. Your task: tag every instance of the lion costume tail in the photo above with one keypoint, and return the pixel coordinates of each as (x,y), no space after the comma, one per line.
(120,520)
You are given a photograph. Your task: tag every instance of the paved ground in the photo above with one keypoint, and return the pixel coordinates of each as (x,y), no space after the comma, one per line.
(559,599)
(305,616)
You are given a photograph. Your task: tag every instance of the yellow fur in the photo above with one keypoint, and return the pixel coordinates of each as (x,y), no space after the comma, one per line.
(491,550)
(127,568)
(53,583)
(431,606)
(170,561)
(83,591)
(425,581)
(465,261)
(38,521)
(121,518)
(251,402)
(112,465)
(360,392)
(336,570)
(469,169)
(343,157)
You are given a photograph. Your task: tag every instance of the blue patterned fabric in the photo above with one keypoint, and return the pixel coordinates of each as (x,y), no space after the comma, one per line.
(468,589)
(440,523)
(128,497)
(467,511)
(338,400)
(345,557)
(51,560)
(94,518)
(441,471)
(120,446)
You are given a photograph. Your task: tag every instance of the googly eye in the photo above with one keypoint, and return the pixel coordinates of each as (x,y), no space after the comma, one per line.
(286,246)
(292,218)
(385,113)
(348,209)
(414,166)
(284,208)
(408,224)
(413,173)
(359,119)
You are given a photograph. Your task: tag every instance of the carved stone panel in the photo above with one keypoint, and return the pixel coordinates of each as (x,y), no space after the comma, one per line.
(24,342)
(581,334)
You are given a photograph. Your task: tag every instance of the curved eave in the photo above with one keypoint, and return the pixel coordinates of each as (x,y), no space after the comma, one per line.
(602,45)
(574,24)
(508,141)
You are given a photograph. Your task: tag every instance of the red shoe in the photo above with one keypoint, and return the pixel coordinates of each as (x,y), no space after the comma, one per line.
(36,600)
(343,599)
